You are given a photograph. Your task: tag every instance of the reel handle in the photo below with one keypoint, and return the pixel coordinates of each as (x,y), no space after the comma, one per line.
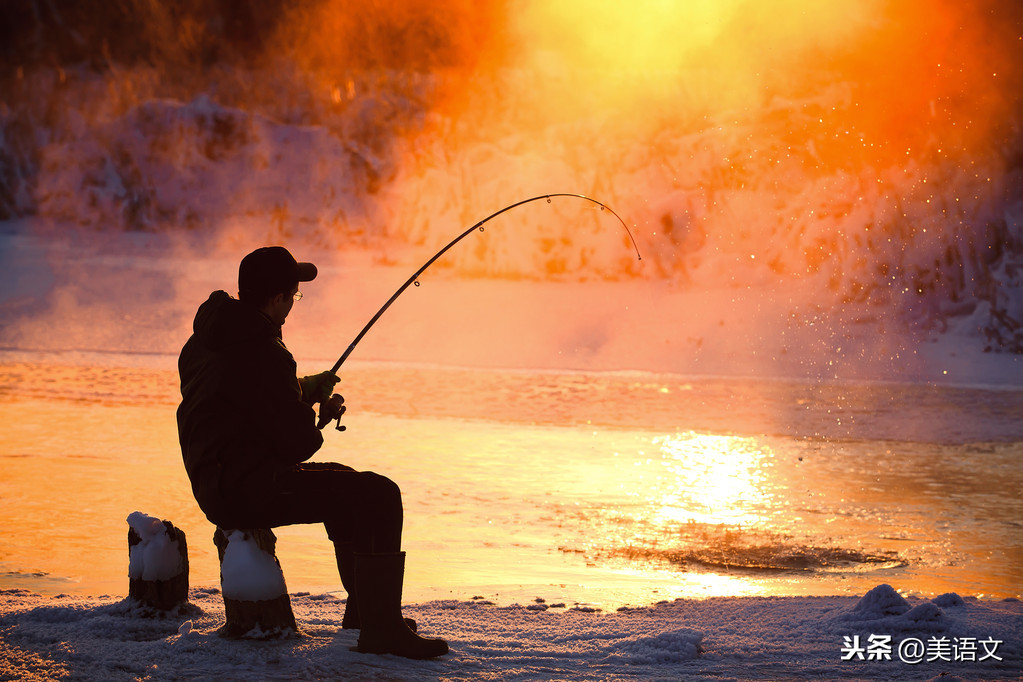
(323,419)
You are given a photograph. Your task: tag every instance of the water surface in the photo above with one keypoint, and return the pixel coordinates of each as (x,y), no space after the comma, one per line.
(592,488)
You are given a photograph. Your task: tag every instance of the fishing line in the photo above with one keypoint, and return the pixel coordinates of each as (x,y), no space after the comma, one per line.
(414,279)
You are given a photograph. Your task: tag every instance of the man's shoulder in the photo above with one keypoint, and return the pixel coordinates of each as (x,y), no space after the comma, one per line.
(223,322)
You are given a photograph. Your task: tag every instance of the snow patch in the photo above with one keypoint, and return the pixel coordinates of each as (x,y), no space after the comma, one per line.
(925,614)
(157,556)
(949,599)
(880,602)
(247,572)
(667,647)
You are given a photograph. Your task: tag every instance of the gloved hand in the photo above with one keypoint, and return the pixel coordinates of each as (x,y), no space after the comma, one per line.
(316,388)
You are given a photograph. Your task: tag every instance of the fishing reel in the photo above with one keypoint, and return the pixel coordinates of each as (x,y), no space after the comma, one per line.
(328,413)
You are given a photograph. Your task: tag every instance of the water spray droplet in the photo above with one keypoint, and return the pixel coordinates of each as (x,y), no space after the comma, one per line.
(416,282)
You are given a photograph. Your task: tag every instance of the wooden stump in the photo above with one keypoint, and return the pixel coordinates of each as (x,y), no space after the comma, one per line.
(256,601)
(157,563)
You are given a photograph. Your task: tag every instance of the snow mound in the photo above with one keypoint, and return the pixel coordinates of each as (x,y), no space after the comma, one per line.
(948,599)
(668,647)
(926,616)
(880,602)
(882,608)
(248,573)
(157,556)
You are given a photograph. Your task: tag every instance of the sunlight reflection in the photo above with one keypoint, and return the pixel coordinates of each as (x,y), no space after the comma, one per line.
(719,585)
(712,479)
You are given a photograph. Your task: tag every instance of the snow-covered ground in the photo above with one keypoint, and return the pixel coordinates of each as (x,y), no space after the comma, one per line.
(877,636)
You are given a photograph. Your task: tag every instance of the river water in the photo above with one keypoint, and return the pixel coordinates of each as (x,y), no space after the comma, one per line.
(596,488)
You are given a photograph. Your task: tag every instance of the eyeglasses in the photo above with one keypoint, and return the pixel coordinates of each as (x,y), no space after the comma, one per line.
(298,296)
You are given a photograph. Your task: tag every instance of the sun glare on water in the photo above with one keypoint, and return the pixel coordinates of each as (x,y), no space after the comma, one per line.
(712,479)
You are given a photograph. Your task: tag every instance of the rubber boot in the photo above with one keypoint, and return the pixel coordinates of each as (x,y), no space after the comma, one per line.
(344,552)
(379,579)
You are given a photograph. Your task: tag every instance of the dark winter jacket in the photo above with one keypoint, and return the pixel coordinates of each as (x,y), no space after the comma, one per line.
(241,421)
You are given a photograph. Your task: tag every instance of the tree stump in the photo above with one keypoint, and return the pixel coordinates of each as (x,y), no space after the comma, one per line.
(157,563)
(256,601)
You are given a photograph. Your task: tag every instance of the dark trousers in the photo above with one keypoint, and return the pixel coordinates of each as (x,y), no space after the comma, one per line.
(359,508)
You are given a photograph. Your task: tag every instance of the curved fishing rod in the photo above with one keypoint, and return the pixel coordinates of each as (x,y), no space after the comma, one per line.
(414,279)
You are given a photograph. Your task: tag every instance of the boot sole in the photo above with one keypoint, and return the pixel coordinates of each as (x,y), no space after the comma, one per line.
(382,649)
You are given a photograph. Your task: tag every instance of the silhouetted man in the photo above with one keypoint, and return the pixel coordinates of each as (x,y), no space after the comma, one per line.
(246,425)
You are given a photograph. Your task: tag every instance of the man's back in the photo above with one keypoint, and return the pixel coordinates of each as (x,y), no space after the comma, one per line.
(241,417)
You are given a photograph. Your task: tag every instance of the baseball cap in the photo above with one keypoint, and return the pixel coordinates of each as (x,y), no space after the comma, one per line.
(271,270)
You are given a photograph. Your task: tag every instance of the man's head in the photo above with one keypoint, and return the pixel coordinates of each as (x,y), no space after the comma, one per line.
(268,278)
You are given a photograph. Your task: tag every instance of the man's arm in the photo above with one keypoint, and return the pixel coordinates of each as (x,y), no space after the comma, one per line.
(291,421)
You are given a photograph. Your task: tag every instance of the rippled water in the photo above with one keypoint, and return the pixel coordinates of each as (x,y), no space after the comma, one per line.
(584,487)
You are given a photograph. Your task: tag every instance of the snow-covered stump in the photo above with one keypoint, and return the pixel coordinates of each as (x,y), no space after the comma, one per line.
(256,601)
(157,563)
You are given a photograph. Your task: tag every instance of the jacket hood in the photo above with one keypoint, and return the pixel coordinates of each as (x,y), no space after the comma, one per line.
(225,321)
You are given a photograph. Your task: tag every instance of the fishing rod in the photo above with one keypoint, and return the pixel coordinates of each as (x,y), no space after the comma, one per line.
(414,279)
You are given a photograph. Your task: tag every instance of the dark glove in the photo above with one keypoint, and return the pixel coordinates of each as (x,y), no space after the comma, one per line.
(316,388)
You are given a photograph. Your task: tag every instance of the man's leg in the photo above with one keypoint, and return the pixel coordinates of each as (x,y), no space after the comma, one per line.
(363,515)
(360,508)
(361,511)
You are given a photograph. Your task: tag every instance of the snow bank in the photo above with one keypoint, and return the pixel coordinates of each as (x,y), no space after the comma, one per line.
(197,164)
(722,638)
(895,244)
(157,556)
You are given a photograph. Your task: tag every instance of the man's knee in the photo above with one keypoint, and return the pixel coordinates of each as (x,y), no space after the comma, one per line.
(372,506)
(382,488)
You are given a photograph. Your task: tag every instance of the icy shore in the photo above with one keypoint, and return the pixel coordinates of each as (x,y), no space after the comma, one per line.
(877,636)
